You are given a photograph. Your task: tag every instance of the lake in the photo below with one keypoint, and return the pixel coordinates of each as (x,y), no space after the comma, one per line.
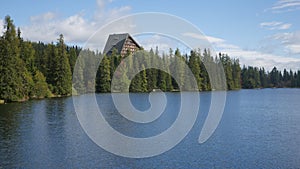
(259,129)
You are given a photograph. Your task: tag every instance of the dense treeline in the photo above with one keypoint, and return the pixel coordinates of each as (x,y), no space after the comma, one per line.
(38,70)
(174,62)
(33,70)
(253,77)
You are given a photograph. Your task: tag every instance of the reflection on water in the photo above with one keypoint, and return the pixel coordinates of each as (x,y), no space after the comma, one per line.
(259,129)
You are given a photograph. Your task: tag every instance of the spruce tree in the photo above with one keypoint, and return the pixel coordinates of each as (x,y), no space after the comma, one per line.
(178,69)
(60,76)
(40,88)
(72,58)
(136,82)
(194,65)
(103,76)
(15,81)
(143,80)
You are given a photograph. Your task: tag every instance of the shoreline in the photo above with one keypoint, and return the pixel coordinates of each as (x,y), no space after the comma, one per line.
(175,91)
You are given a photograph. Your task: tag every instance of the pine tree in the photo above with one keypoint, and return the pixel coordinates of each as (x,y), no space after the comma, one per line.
(27,54)
(152,73)
(236,74)
(121,81)
(297,77)
(206,63)
(274,77)
(194,65)
(78,76)
(178,69)
(263,78)
(114,60)
(143,79)
(15,81)
(166,76)
(41,59)
(136,82)
(40,89)
(103,76)
(60,76)
(228,71)
(72,58)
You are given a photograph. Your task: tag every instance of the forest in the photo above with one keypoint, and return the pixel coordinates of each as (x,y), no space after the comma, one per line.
(32,70)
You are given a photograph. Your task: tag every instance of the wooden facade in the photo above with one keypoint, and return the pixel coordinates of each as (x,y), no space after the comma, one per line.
(122,43)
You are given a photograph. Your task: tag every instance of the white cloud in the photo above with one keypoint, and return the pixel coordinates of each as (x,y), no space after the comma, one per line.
(101,3)
(275,25)
(1,27)
(290,41)
(285,26)
(76,28)
(295,48)
(44,17)
(217,42)
(102,14)
(268,61)
(251,57)
(163,43)
(286,5)
(203,37)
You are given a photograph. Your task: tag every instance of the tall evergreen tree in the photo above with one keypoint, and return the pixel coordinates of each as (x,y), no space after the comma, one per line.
(178,69)
(27,54)
(228,71)
(274,77)
(103,76)
(72,58)
(152,73)
(194,65)
(165,75)
(136,82)
(143,79)
(205,66)
(263,78)
(40,88)
(62,77)
(15,81)
(236,74)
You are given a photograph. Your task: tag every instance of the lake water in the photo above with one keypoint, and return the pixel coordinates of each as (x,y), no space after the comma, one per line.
(259,129)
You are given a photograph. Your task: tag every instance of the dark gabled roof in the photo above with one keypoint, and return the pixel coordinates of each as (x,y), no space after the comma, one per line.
(117,41)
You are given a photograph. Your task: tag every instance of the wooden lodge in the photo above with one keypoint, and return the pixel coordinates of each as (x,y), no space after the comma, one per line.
(122,43)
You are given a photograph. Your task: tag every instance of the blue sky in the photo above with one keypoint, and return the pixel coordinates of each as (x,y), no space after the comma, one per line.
(259,33)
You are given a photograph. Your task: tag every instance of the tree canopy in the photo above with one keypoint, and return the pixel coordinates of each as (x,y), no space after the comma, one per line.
(37,70)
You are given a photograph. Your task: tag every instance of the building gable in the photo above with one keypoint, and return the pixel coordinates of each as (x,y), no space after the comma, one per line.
(122,43)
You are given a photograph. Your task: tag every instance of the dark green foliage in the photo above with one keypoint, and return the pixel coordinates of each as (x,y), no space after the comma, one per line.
(57,68)
(152,74)
(162,80)
(274,77)
(143,80)
(263,78)
(62,71)
(178,68)
(103,76)
(252,77)
(40,88)
(227,64)
(72,57)
(136,83)
(28,68)
(194,64)
(236,74)
(38,70)
(15,80)
(27,54)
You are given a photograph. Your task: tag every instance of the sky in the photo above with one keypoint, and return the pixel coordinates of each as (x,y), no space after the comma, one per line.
(258,33)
